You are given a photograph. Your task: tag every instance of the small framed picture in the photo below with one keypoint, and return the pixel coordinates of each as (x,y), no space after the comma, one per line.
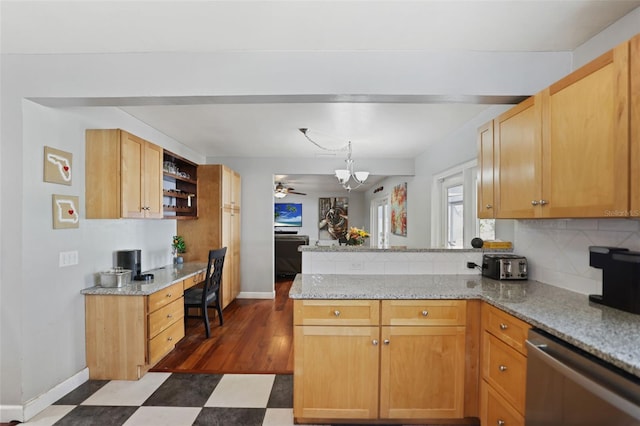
(58,166)
(65,211)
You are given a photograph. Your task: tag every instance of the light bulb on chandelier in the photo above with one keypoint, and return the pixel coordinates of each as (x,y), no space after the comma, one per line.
(344,176)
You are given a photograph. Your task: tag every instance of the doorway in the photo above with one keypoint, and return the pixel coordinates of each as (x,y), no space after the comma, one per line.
(380,222)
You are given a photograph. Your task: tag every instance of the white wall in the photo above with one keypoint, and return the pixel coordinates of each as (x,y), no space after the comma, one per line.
(50,329)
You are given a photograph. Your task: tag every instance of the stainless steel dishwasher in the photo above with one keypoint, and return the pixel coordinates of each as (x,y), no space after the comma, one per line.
(567,387)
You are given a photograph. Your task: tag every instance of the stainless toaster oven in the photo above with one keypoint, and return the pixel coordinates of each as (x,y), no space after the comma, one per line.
(504,266)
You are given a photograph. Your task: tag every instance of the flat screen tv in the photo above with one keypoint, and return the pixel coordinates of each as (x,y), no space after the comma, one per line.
(287,214)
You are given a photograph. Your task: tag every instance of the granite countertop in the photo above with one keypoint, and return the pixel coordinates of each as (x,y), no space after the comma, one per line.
(609,334)
(402,249)
(162,277)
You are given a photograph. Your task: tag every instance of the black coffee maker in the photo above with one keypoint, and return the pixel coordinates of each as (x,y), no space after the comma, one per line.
(130,259)
(620,277)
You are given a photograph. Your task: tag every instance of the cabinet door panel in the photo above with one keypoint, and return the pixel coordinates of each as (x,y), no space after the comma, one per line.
(422,372)
(132,152)
(153,181)
(485,172)
(336,372)
(518,140)
(586,140)
(634,58)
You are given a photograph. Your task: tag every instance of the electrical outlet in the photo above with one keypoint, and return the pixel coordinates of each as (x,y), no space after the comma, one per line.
(68,258)
(356,266)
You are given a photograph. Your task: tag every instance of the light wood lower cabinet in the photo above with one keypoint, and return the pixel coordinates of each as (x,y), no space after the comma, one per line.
(393,360)
(504,366)
(127,335)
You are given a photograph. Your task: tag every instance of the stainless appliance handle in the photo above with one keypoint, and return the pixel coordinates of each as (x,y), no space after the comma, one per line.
(580,378)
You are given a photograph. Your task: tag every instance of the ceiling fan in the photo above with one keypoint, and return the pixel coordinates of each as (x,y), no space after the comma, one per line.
(282,191)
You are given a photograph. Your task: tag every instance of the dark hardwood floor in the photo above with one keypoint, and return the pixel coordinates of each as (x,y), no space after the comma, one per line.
(257,337)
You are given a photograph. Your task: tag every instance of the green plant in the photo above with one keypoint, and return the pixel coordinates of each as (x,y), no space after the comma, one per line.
(178,244)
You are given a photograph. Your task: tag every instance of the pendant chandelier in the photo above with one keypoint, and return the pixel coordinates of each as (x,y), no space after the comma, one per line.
(346,175)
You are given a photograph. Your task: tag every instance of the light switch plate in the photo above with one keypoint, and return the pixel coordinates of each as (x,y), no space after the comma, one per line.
(68,258)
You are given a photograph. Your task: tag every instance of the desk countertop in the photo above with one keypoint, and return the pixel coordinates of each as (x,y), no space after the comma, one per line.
(609,334)
(162,277)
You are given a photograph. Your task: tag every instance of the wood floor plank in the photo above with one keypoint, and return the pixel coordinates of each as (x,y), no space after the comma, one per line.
(257,337)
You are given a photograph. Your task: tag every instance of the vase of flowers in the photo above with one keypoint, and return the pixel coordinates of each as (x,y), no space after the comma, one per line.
(356,236)
(178,247)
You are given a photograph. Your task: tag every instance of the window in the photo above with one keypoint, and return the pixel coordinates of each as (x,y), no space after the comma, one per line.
(454,220)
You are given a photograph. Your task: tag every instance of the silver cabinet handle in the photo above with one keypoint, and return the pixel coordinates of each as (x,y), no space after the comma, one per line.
(385,341)
(170,338)
(336,313)
(543,202)
(501,423)
(169,316)
(534,202)
(502,368)
(425,313)
(488,206)
(168,294)
(503,326)
(375,342)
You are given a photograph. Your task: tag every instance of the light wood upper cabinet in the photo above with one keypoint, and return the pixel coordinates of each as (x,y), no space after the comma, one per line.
(485,172)
(634,66)
(518,144)
(565,151)
(123,176)
(586,140)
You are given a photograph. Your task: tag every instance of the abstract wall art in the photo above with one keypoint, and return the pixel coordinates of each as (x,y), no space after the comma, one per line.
(399,210)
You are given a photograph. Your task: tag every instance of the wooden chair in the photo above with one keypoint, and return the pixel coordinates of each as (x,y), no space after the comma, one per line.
(209,294)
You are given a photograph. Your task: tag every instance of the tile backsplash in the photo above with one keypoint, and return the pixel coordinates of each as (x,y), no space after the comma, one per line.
(557,250)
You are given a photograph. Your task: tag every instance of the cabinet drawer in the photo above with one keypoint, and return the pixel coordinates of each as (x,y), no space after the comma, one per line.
(506,327)
(194,280)
(162,318)
(165,341)
(424,312)
(336,312)
(505,369)
(164,296)
(497,411)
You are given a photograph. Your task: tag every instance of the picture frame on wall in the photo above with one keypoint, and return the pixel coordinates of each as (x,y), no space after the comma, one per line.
(58,166)
(333,214)
(65,211)
(399,210)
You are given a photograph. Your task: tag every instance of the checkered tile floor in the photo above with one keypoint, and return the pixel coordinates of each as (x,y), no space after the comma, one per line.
(175,399)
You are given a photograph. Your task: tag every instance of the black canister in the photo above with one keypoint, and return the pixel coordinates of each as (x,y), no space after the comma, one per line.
(130,259)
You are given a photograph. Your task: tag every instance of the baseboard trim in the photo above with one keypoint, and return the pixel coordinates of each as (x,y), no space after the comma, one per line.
(257,295)
(25,412)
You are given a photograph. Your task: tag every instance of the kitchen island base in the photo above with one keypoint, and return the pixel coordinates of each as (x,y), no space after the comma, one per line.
(384,361)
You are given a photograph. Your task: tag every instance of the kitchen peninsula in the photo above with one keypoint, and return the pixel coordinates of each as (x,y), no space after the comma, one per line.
(405,324)
(130,328)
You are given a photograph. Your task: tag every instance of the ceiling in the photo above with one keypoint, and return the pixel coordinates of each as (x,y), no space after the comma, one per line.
(268,127)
